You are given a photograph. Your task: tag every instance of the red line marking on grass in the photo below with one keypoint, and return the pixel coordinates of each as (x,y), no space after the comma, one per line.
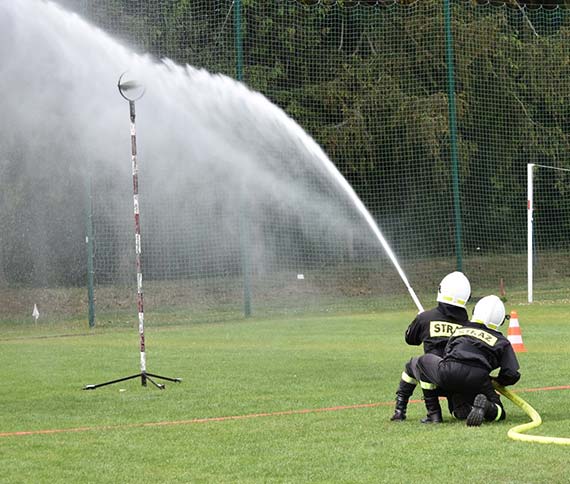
(235,417)
(543,389)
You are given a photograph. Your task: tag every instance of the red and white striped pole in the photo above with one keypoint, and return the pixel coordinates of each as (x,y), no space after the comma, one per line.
(138,250)
(136,93)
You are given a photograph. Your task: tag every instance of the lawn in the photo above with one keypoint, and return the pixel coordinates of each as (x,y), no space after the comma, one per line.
(303,399)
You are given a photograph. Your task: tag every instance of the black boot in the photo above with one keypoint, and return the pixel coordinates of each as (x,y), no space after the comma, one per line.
(482,409)
(405,391)
(433,408)
(401,407)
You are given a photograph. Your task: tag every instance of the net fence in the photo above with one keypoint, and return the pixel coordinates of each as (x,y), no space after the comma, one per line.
(269,230)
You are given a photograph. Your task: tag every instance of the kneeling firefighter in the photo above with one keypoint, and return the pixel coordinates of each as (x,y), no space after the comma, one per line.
(433,328)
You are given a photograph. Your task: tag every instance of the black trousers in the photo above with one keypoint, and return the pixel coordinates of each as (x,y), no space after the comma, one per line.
(462,381)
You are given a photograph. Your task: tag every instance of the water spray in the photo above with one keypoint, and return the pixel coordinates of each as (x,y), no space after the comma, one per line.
(313,147)
(390,253)
(132,91)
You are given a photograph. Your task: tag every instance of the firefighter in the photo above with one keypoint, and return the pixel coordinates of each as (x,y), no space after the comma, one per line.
(433,328)
(472,353)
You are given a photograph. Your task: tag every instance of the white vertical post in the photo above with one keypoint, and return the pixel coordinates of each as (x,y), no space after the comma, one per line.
(529,235)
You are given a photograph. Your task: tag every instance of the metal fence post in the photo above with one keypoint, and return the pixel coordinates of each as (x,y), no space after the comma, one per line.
(453,134)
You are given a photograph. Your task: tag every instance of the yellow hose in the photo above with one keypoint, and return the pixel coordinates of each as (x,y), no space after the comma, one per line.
(516,433)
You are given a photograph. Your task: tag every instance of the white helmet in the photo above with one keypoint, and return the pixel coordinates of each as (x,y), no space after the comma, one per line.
(489,311)
(454,289)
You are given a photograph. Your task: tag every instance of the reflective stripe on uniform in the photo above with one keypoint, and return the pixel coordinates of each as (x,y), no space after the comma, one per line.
(499,412)
(408,379)
(427,385)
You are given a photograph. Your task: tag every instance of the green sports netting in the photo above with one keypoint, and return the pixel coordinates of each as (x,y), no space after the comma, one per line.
(369,81)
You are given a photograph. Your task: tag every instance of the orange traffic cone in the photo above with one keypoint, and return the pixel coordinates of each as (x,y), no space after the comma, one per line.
(514,334)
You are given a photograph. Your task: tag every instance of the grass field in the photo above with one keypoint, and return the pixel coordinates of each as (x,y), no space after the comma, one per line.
(311,399)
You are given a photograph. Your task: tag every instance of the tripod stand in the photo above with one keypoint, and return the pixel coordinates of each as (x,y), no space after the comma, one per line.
(144,376)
